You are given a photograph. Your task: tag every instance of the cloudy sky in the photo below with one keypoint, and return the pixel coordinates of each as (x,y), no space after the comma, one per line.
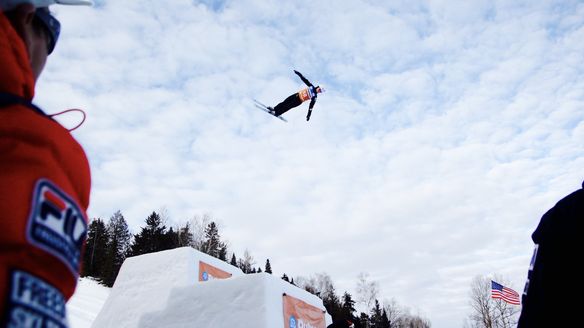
(448,128)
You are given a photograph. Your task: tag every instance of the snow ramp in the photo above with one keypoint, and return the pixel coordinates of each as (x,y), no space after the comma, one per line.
(186,288)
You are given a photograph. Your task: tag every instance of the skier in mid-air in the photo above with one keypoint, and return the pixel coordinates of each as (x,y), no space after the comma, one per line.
(297,99)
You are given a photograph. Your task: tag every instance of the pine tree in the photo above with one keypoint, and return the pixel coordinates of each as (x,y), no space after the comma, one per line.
(95,249)
(333,305)
(259,270)
(364,320)
(118,242)
(212,241)
(170,239)
(285,277)
(241,265)
(376,314)
(151,238)
(348,307)
(233,260)
(384,322)
(185,235)
(268,267)
(223,252)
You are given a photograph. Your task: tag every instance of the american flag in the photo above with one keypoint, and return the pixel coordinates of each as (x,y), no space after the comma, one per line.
(506,294)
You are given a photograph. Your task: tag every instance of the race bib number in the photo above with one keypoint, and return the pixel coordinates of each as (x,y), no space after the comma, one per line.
(304,94)
(33,303)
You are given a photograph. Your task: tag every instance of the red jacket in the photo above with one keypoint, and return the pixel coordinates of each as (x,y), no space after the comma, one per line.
(44,193)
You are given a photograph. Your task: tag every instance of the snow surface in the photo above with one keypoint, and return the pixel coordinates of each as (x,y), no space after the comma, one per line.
(163,290)
(85,304)
(253,300)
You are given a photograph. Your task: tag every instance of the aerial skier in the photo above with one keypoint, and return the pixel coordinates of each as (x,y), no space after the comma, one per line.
(295,100)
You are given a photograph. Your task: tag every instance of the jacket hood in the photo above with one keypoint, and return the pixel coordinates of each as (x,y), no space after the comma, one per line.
(17,77)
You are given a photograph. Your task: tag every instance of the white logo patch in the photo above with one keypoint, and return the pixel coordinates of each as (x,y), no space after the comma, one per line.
(533,257)
(531,266)
(57,225)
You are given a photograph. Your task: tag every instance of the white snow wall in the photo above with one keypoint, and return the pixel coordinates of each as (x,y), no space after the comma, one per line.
(144,284)
(163,290)
(249,301)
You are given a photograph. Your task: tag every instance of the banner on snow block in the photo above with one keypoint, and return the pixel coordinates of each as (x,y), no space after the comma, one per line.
(299,314)
(209,272)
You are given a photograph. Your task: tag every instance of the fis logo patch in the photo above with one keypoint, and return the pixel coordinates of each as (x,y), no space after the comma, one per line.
(34,303)
(57,225)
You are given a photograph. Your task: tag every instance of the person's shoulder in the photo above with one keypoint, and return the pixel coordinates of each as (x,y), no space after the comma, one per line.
(562,220)
(574,201)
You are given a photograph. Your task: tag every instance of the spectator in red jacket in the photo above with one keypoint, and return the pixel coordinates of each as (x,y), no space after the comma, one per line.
(44,178)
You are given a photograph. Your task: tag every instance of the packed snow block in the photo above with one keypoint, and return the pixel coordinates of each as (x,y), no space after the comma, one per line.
(254,300)
(144,283)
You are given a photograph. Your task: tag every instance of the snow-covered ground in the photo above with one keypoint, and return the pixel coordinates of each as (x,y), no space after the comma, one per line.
(184,288)
(86,303)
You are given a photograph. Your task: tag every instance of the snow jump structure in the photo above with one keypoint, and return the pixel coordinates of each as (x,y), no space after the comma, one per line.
(186,288)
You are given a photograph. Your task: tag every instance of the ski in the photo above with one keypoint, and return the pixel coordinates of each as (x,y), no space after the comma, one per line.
(265,109)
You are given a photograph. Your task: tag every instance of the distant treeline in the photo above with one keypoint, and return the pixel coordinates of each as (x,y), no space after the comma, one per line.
(109,244)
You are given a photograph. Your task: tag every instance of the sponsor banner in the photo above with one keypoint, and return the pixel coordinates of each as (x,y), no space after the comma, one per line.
(209,272)
(57,225)
(33,303)
(299,314)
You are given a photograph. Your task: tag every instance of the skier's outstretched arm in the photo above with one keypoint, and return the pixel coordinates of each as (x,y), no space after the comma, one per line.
(303,79)
(312,102)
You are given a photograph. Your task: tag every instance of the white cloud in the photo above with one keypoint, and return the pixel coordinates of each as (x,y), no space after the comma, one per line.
(446,131)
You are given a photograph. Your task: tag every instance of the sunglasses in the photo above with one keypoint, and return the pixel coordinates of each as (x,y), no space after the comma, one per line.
(51,25)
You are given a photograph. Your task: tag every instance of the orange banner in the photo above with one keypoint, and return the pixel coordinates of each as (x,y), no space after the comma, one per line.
(209,272)
(299,314)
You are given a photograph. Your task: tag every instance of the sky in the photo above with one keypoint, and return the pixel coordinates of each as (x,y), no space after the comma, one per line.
(447,129)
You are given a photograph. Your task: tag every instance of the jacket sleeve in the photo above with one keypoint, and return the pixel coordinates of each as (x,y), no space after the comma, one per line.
(303,79)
